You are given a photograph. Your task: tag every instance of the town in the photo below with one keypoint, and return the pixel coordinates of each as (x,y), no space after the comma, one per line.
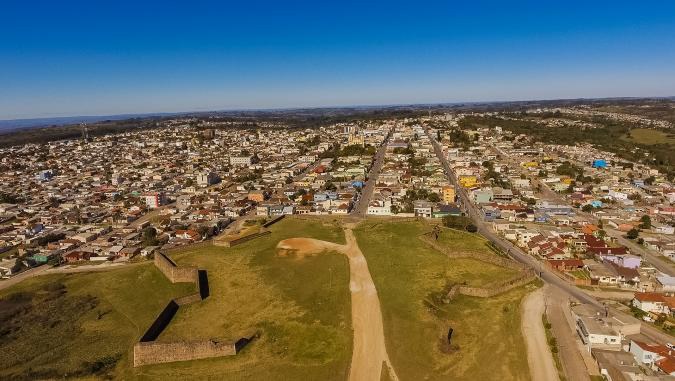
(587,218)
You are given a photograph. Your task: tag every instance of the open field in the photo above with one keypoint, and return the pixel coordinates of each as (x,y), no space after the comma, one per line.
(410,276)
(300,307)
(649,136)
(79,324)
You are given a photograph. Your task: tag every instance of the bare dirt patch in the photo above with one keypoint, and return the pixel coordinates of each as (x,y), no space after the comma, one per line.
(304,247)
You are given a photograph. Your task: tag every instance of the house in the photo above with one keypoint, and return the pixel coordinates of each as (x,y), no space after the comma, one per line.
(663,228)
(665,283)
(652,302)
(446,210)
(379,208)
(191,235)
(654,356)
(256,196)
(7,267)
(149,250)
(423,208)
(602,331)
(566,264)
(618,366)
(75,256)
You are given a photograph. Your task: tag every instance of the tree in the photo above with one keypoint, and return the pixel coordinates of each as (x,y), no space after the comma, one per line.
(645,222)
(149,236)
(632,233)
(587,208)
(434,197)
(471,228)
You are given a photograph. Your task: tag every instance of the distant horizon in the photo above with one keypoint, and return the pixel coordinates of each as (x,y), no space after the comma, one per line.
(6,124)
(80,57)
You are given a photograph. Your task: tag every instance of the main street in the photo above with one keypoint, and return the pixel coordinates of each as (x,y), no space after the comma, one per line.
(512,250)
(361,207)
(517,254)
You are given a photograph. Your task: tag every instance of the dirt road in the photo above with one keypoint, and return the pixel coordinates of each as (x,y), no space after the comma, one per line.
(539,355)
(369,350)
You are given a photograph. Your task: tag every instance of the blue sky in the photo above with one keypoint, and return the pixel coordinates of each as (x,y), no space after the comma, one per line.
(97,58)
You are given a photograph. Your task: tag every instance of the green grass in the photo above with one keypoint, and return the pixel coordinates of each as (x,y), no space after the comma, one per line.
(406,273)
(580,274)
(463,241)
(300,307)
(59,334)
(649,136)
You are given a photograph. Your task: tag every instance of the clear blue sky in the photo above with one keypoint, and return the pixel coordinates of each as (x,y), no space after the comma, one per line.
(61,58)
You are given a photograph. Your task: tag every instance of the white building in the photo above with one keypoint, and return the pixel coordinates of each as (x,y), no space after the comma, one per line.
(380,208)
(241,160)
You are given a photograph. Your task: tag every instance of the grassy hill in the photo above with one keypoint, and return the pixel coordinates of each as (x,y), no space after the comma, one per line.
(410,277)
(85,325)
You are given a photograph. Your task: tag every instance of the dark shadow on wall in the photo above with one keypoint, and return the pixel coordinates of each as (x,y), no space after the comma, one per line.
(203,284)
(161,322)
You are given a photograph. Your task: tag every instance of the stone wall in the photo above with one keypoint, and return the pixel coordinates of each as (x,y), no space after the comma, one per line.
(241,240)
(495,289)
(154,352)
(273,221)
(174,273)
(524,276)
(188,299)
(188,247)
(148,351)
(483,257)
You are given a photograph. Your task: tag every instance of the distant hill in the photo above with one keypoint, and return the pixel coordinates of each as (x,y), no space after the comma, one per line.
(10,125)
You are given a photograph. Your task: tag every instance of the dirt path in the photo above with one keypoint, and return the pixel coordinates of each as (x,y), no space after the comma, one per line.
(369,350)
(539,355)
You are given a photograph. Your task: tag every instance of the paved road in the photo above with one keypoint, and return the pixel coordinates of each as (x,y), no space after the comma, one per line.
(539,355)
(572,360)
(661,264)
(5,283)
(548,276)
(361,207)
(512,250)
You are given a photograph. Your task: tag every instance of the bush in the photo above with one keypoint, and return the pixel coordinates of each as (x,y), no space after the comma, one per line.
(632,233)
(471,228)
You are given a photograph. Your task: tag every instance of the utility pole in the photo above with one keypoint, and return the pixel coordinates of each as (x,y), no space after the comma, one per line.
(85,132)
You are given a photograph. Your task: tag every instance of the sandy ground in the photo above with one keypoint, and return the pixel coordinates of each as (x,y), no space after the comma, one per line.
(369,351)
(304,247)
(539,355)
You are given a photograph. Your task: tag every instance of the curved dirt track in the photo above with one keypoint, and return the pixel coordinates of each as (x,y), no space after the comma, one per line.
(539,355)
(369,350)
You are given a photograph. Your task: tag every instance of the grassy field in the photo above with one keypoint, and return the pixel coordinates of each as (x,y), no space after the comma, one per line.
(79,324)
(300,307)
(407,273)
(649,136)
